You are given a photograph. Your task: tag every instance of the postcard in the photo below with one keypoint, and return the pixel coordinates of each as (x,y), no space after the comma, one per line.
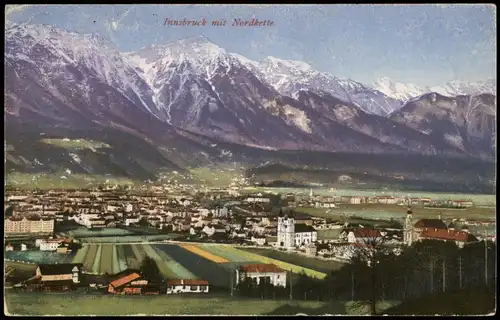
(250,160)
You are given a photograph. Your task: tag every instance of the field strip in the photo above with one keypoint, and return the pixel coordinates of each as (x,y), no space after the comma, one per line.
(122,259)
(80,255)
(138,253)
(222,251)
(106,265)
(176,267)
(129,255)
(169,268)
(116,264)
(284,265)
(90,257)
(204,254)
(97,260)
(165,271)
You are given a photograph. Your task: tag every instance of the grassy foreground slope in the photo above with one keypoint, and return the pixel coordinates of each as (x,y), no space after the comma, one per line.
(82,304)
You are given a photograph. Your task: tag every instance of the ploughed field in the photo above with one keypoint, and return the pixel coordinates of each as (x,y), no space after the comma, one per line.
(114,258)
(212,262)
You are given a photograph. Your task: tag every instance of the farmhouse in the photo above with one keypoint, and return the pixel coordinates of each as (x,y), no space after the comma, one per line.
(188,285)
(55,277)
(131,282)
(55,272)
(269,273)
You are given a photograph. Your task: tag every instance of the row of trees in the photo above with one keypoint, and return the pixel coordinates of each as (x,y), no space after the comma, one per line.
(426,268)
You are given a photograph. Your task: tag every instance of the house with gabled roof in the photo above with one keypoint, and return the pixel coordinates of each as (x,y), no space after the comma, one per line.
(267,273)
(132,282)
(459,237)
(187,286)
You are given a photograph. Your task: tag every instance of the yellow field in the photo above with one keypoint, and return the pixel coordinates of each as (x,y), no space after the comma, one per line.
(205,254)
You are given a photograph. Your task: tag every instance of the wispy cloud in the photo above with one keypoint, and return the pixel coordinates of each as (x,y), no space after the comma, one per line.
(114,24)
(10,8)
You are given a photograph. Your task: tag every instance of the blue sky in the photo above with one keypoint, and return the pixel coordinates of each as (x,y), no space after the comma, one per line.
(422,44)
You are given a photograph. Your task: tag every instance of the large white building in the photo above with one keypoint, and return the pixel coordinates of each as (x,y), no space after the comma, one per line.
(269,273)
(286,232)
(29,225)
(304,235)
(291,235)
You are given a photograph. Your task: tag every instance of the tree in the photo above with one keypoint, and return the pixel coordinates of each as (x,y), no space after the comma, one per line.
(368,250)
(143,222)
(9,211)
(74,247)
(150,271)
(166,228)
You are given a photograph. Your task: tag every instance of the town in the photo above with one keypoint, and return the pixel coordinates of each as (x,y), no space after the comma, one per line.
(80,230)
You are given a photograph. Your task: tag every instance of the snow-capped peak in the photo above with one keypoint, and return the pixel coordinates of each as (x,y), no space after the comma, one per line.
(292,64)
(397,90)
(458,87)
(59,48)
(195,49)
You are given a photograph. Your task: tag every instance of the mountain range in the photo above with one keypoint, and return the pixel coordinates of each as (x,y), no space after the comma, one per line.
(190,103)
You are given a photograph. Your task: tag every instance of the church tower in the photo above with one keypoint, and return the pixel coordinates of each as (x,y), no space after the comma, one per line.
(286,231)
(408,228)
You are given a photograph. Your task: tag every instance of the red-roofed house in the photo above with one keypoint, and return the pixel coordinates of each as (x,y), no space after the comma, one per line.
(459,237)
(269,273)
(188,285)
(128,283)
(364,235)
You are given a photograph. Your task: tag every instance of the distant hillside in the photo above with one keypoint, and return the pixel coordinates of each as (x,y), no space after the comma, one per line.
(415,172)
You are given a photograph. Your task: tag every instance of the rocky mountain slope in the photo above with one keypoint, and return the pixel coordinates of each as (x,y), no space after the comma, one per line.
(190,103)
(466,122)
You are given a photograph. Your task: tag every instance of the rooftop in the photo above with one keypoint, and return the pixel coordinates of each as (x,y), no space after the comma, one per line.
(54,269)
(261,268)
(444,234)
(126,279)
(187,282)
(431,223)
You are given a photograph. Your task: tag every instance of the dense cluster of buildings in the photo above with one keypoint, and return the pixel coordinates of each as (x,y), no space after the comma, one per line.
(317,201)
(216,214)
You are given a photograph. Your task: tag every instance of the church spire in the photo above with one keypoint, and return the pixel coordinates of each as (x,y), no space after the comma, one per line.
(408,228)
